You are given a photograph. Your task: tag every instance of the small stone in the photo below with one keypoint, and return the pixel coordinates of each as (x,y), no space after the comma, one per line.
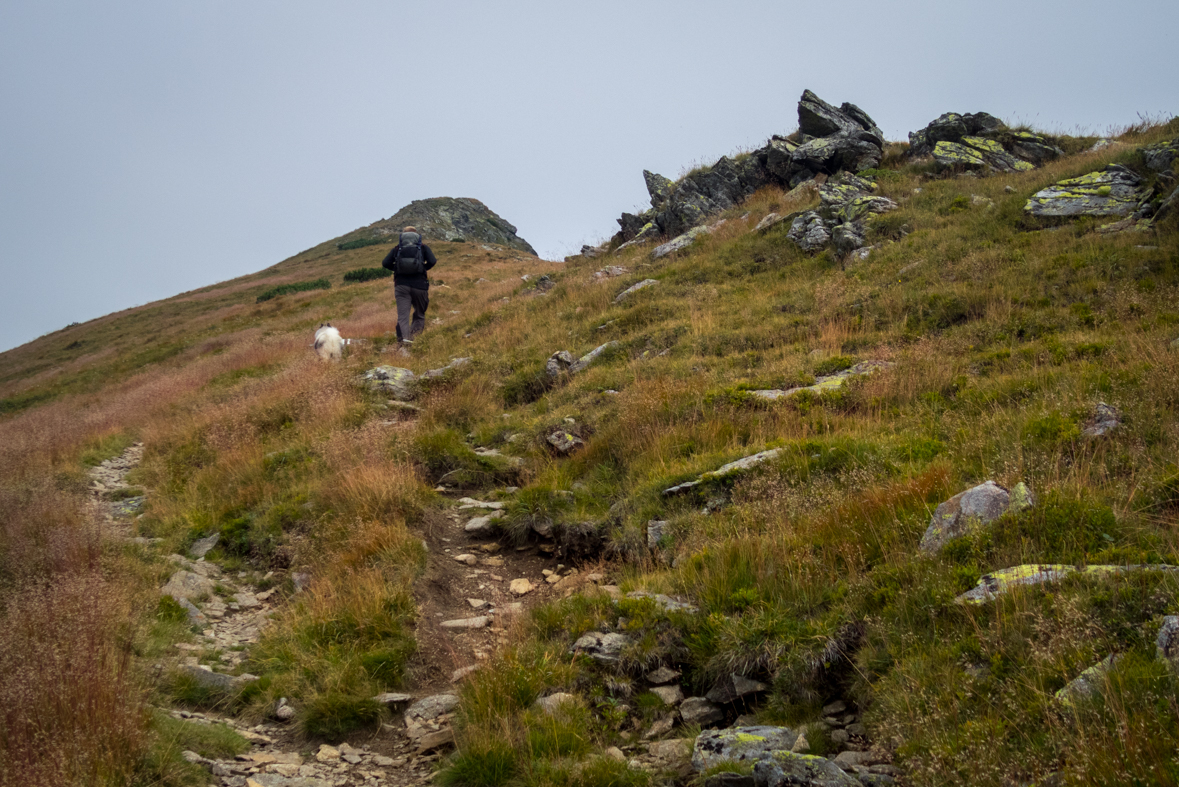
(467,623)
(857,729)
(671,695)
(435,740)
(553,579)
(477,603)
(615,753)
(835,708)
(327,753)
(660,727)
(839,736)
(520,587)
(552,702)
(802,745)
(662,675)
(698,710)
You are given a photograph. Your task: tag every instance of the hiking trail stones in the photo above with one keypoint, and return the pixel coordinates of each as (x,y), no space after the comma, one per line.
(967,511)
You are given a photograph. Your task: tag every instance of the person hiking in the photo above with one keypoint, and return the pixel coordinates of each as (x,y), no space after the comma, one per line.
(409,261)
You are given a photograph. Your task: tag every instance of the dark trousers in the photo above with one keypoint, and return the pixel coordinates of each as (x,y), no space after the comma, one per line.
(411,310)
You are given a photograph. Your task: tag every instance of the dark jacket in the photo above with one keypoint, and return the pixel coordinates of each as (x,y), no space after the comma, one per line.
(418,282)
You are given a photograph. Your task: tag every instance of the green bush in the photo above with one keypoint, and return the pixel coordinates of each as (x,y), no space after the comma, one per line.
(367,274)
(287,289)
(486,765)
(360,243)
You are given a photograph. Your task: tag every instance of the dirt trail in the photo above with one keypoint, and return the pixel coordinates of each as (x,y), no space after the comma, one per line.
(231,614)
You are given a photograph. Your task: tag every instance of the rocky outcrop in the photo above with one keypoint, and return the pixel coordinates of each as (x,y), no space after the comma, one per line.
(785,768)
(1113,191)
(741,744)
(449,219)
(968,511)
(830,140)
(841,220)
(563,362)
(980,142)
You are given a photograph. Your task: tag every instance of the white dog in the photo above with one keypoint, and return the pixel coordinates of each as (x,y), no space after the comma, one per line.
(328,343)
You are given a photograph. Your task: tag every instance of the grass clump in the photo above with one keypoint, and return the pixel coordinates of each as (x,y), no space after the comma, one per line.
(287,289)
(360,243)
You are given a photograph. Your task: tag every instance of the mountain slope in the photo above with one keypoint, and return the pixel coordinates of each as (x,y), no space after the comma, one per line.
(992,338)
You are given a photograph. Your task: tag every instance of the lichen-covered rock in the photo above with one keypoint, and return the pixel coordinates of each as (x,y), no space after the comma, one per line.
(658,187)
(964,513)
(1160,157)
(852,151)
(980,142)
(740,744)
(451,219)
(1113,191)
(1088,683)
(564,442)
(824,383)
(664,602)
(429,708)
(846,238)
(401,384)
(787,769)
(991,586)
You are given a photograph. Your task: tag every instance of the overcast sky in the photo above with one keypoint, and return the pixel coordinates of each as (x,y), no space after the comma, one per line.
(148,148)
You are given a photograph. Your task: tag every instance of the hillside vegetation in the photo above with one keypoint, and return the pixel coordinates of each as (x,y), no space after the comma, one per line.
(998,335)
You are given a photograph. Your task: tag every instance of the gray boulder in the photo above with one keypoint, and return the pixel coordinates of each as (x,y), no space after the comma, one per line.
(564,442)
(734,687)
(698,710)
(682,242)
(429,708)
(980,142)
(741,744)
(809,231)
(1113,191)
(1088,683)
(1105,419)
(186,585)
(1167,642)
(951,127)
(656,528)
(593,355)
(558,363)
(964,513)
(978,153)
(602,647)
(217,682)
(201,546)
(1160,157)
(854,151)
(400,384)
(457,363)
(817,118)
(787,769)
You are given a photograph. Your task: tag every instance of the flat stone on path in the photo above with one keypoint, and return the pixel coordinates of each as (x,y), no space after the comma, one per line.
(187,585)
(520,587)
(467,623)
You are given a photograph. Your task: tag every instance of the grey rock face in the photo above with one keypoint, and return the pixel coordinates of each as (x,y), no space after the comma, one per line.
(847,202)
(593,355)
(951,127)
(681,242)
(400,384)
(965,512)
(741,744)
(982,142)
(450,219)
(558,363)
(658,187)
(734,687)
(670,695)
(1089,682)
(1113,191)
(698,710)
(802,770)
(195,616)
(603,647)
(731,468)
(655,530)
(667,675)
(457,363)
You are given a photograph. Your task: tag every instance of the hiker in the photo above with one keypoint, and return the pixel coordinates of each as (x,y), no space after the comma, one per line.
(409,261)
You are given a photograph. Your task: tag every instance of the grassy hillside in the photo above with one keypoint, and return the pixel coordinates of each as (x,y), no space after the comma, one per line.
(1003,334)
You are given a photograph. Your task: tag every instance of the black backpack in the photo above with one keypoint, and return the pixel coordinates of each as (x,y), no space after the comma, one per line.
(408,259)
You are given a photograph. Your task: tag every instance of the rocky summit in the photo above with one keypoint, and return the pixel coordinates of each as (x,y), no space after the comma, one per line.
(452,219)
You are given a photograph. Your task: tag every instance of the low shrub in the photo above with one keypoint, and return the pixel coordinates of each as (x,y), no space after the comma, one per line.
(367,274)
(332,715)
(287,289)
